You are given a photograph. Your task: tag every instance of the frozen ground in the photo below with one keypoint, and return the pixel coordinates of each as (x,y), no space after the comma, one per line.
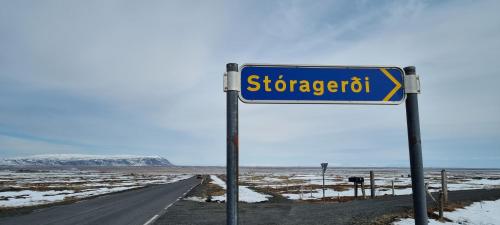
(479,213)
(28,188)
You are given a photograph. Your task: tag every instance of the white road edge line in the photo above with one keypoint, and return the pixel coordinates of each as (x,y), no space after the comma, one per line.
(168,206)
(151,220)
(183,195)
(165,210)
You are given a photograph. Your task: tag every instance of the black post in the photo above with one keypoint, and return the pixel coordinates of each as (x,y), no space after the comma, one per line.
(355,190)
(232,151)
(372,184)
(363,189)
(323,169)
(323,185)
(416,162)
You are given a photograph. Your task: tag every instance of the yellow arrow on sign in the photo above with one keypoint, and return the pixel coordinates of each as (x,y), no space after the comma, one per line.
(396,82)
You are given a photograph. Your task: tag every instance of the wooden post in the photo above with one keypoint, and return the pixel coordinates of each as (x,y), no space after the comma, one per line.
(310,183)
(363,189)
(392,182)
(441,205)
(444,186)
(355,190)
(372,184)
(301,193)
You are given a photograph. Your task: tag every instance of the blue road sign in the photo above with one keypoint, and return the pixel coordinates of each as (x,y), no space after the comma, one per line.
(321,84)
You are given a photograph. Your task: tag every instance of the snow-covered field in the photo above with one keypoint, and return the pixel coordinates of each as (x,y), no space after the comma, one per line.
(24,188)
(479,213)
(28,188)
(308,184)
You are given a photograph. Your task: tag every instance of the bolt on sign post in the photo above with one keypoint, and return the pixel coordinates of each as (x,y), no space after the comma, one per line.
(312,84)
(323,168)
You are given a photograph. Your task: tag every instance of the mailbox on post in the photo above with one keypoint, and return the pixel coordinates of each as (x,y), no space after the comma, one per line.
(357,181)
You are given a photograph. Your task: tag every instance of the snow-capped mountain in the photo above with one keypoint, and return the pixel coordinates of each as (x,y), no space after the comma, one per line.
(85,160)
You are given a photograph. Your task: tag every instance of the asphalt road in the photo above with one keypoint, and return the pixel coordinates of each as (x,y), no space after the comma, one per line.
(377,211)
(135,207)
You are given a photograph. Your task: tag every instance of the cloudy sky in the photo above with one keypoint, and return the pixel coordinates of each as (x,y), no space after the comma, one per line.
(145,78)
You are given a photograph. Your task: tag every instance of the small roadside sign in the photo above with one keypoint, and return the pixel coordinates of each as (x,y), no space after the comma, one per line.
(323,166)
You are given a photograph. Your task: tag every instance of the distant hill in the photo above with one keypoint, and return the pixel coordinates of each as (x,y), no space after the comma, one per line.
(85,160)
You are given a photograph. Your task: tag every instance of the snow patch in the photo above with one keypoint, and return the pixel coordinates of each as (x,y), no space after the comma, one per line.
(245,193)
(195,199)
(479,213)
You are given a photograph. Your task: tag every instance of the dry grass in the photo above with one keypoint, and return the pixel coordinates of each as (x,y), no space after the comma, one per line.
(215,190)
(207,189)
(295,189)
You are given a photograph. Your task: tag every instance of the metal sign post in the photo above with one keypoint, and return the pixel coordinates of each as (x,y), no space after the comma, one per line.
(231,88)
(323,167)
(380,85)
(415,145)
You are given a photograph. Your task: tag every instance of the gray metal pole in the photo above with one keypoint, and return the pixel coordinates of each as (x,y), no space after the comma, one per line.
(232,153)
(372,184)
(416,162)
